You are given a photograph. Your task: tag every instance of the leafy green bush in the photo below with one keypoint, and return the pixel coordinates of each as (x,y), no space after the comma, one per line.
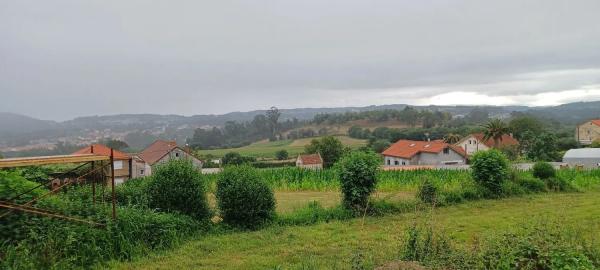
(541,245)
(427,192)
(234,158)
(357,172)
(177,186)
(490,170)
(133,192)
(558,184)
(243,198)
(531,184)
(543,170)
(58,244)
(12,226)
(313,213)
(282,154)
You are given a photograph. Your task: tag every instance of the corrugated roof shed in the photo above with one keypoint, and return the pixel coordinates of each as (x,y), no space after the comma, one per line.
(583,153)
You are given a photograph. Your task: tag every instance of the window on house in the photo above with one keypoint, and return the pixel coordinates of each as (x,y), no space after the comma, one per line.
(396,163)
(389,162)
(403,162)
(446,151)
(141,172)
(176,154)
(117,165)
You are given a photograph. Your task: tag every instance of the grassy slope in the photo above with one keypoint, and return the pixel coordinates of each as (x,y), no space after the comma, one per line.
(267,149)
(333,244)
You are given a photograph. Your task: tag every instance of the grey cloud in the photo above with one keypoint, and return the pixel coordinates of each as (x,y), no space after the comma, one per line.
(60,59)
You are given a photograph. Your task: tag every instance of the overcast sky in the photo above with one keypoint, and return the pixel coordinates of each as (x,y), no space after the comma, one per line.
(62,59)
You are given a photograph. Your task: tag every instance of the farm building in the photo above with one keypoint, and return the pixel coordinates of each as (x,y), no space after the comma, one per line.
(123,163)
(407,152)
(475,142)
(162,151)
(312,161)
(588,132)
(586,157)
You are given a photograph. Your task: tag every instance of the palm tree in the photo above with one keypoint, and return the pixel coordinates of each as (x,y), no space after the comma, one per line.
(451,138)
(495,129)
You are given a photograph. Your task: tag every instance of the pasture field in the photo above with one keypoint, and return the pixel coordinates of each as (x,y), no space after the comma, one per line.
(266,149)
(332,245)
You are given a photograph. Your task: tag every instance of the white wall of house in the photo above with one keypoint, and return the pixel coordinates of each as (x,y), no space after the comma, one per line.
(396,161)
(442,158)
(472,145)
(180,154)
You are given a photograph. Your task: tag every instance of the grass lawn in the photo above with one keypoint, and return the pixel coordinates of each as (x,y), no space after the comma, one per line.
(266,149)
(290,201)
(332,245)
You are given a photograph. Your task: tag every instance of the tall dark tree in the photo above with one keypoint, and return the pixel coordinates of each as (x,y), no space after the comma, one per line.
(330,148)
(521,124)
(273,115)
(115,144)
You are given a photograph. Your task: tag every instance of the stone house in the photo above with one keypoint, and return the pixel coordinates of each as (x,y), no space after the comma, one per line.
(312,161)
(162,151)
(407,152)
(588,132)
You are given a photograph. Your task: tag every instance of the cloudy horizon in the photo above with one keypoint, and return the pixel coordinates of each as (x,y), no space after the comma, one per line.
(64,59)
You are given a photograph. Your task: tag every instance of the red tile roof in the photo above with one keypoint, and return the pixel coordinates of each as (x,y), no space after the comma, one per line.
(157,150)
(596,122)
(311,159)
(408,148)
(102,150)
(506,140)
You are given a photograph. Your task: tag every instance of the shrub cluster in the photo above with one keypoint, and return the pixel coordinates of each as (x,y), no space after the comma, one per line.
(490,170)
(177,186)
(548,245)
(357,172)
(427,192)
(58,244)
(543,170)
(244,199)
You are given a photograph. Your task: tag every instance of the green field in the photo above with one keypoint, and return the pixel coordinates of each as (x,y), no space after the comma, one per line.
(266,149)
(332,245)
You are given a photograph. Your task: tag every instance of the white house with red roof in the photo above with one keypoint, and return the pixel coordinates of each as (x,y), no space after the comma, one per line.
(475,142)
(588,132)
(312,161)
(410,153)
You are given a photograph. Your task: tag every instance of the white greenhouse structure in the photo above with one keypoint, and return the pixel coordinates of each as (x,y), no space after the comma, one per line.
(586,157)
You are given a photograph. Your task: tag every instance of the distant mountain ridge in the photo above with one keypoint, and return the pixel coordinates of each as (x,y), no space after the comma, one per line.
(17,129)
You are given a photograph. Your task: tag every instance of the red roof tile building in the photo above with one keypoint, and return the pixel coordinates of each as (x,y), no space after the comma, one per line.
(407,152)
(122,162)
(162,151)
(475,142)
(588,132)
(311,161)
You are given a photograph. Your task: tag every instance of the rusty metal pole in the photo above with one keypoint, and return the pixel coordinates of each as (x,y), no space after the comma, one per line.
(93,184)
(112,178)
(93,178)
